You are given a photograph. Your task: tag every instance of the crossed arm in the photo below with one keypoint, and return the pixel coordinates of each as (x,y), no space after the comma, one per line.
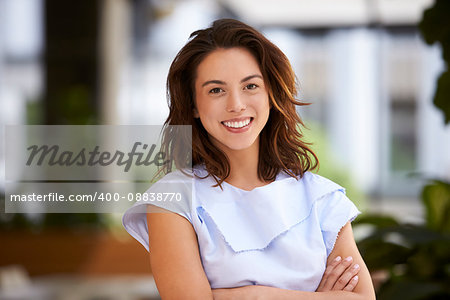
(178,271)
(341,279)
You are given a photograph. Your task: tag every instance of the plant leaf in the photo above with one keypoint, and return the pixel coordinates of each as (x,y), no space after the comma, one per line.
(436,198)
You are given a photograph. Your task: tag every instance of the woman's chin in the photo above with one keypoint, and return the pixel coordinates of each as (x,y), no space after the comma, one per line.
(241,145)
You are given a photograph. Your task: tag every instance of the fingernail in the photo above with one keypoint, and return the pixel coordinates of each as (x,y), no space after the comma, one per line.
(356,266)
(349,258)
(355,278)
(338,258)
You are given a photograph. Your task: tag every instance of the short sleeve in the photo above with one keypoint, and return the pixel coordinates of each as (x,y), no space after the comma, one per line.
(334,211)
(173,193)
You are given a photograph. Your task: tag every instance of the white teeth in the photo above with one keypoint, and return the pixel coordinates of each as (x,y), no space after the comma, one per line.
(239,124)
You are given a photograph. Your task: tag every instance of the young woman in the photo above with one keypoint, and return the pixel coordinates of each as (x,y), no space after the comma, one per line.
(253,221)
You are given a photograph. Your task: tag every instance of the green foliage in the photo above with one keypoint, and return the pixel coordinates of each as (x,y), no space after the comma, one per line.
(329,164)
(417,257)
(34,114)
(75,107)
(435,28)
(436,197)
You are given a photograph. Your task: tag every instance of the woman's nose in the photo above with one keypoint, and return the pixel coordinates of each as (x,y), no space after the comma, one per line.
(235,103)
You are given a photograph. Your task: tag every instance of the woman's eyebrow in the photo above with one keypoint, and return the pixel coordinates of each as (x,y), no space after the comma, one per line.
(213,81)
(250,77)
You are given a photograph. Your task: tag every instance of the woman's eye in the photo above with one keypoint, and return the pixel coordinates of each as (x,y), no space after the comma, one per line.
(215,90)
(251,86)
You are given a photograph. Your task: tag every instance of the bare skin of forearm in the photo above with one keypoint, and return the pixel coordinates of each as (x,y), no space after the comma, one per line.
(260,292)
(244,292)
(267,292)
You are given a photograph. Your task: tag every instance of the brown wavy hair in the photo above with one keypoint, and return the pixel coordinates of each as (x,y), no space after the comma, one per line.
(281,145)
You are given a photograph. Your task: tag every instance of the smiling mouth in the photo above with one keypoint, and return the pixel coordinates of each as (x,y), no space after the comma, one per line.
(237,124)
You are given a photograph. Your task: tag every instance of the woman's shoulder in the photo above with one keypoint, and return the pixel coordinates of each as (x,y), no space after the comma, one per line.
(316,179)
(312,185)
(172,193)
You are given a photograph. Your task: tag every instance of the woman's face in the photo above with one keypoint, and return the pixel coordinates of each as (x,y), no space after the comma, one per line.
(232,101)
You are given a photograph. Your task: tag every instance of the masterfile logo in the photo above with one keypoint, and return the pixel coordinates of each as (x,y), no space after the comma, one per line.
(52,155)
(93,168)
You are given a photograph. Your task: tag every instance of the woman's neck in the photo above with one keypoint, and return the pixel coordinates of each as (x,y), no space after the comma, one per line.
(244,167)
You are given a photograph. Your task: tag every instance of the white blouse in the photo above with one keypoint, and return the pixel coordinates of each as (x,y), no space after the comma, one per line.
(277,235)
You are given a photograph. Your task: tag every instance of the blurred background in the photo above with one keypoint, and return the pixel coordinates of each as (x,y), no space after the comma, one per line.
(375,71)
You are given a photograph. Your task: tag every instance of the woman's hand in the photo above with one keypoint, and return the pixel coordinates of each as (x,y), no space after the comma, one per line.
(340,275)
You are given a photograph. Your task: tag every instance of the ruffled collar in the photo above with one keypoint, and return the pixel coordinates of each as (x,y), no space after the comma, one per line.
(251,220)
